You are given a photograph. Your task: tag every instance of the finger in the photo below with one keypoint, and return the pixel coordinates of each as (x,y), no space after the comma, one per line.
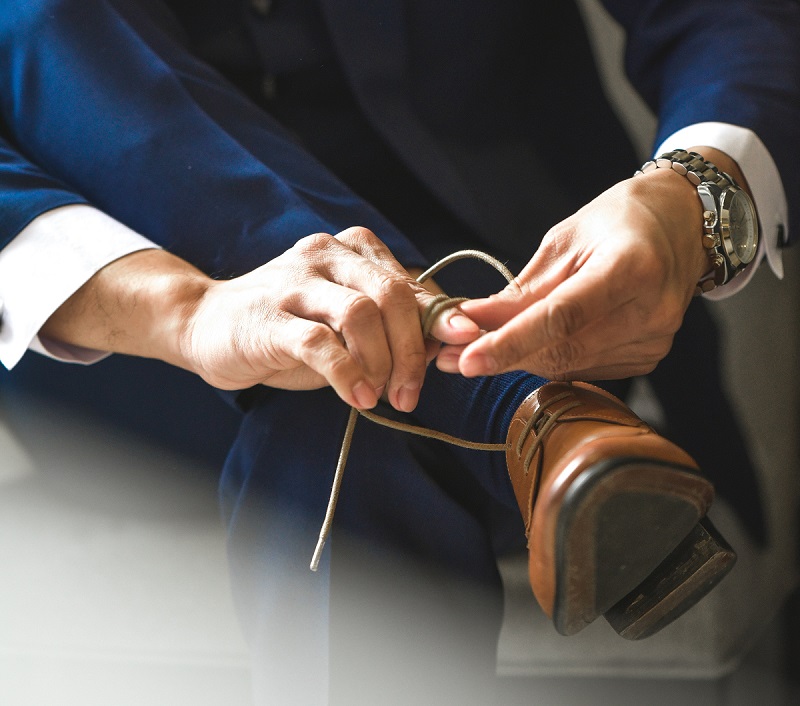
(639,358)
(453,326)
(398,306)
(395,303)
(600,351)
(368,245)
(410,353)
(539,277)
(318,347)
(356,317)
(448,359)
(626,360)
(549,324)
(359,261)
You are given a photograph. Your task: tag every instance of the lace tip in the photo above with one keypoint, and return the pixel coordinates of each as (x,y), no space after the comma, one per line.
(317,555)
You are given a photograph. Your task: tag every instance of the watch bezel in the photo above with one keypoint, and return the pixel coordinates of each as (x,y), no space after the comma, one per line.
(725,202)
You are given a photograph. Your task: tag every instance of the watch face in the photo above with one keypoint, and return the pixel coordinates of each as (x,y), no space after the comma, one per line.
(743,227)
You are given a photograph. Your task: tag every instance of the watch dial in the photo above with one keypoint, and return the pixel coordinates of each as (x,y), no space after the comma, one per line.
(743,227)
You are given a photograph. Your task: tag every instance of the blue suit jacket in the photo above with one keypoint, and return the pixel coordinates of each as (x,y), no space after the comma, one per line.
(495,106)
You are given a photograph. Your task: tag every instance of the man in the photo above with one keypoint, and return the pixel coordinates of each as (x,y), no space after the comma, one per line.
(463,124)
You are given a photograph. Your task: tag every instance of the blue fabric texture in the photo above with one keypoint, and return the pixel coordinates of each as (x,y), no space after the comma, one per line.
(146,133)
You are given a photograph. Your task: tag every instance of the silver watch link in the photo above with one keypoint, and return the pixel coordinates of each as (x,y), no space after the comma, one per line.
(730,222)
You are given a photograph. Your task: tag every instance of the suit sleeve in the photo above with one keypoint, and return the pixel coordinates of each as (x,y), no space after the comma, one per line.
(27,192)
(725,61)
(105,98)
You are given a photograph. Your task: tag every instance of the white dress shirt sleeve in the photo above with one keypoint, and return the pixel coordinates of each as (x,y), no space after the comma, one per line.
(44,265)
(755,161)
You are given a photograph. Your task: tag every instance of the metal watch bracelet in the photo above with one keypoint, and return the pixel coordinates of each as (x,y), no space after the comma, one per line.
(698,171)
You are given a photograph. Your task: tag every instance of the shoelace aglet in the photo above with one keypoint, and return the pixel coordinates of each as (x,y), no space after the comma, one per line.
(317,553)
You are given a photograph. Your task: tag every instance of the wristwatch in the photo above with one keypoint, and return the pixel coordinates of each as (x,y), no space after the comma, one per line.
(730,222)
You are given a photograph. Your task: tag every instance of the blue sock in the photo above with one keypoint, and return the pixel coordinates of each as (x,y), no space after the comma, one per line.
(475,409)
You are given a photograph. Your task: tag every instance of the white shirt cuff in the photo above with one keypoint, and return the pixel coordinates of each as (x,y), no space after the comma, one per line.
(764,180)
(44,265)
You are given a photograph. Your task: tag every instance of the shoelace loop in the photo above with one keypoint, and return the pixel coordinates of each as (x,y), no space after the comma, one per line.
(438,305)
(540,430)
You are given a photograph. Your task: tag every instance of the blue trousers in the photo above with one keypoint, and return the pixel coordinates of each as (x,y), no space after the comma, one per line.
(407,601)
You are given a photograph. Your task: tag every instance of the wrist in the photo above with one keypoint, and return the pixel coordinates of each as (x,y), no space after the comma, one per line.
(172,299)
(679,211)
(729,220)
(140,304)
(724,163)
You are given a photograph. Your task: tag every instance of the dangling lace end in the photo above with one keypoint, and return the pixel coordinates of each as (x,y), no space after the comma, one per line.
(337,484)
(317,553)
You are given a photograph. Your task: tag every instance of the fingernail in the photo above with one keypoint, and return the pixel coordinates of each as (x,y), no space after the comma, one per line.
(407,398)
(480,364)
(447,363)
(462,323)
(364,395)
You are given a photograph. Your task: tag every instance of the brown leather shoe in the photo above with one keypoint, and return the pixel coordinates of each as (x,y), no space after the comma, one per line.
(605,500)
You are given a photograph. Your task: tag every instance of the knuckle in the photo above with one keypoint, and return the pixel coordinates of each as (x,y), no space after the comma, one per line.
(393,291)
(379,372)
(358,310)
(317,337)
(511,351)
(338,366)
(357,236)
(563,319)
(410,364)
(314,243)
(516,289)
(559,359)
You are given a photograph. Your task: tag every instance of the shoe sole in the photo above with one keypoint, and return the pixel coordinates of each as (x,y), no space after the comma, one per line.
(687,575)
(618,521)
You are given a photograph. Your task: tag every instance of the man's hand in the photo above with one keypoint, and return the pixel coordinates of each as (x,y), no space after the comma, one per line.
(605,293)
(331,310)
(337,311)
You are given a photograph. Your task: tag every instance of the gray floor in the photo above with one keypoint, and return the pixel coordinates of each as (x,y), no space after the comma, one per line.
(114,585)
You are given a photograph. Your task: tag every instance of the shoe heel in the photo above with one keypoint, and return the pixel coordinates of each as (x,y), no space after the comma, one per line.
(688,574)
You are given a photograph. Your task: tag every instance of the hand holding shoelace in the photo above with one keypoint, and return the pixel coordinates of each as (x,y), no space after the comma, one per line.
(605,293)
(336,310)
(332,310)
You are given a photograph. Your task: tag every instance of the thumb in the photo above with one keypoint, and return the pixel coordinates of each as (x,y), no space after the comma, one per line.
(492,312)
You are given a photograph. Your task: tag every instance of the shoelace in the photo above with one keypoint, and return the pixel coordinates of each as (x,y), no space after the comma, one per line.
(540,431)
(438,305)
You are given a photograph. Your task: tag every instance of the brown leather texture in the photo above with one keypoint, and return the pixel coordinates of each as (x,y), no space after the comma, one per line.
(599,415)
(591,426)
